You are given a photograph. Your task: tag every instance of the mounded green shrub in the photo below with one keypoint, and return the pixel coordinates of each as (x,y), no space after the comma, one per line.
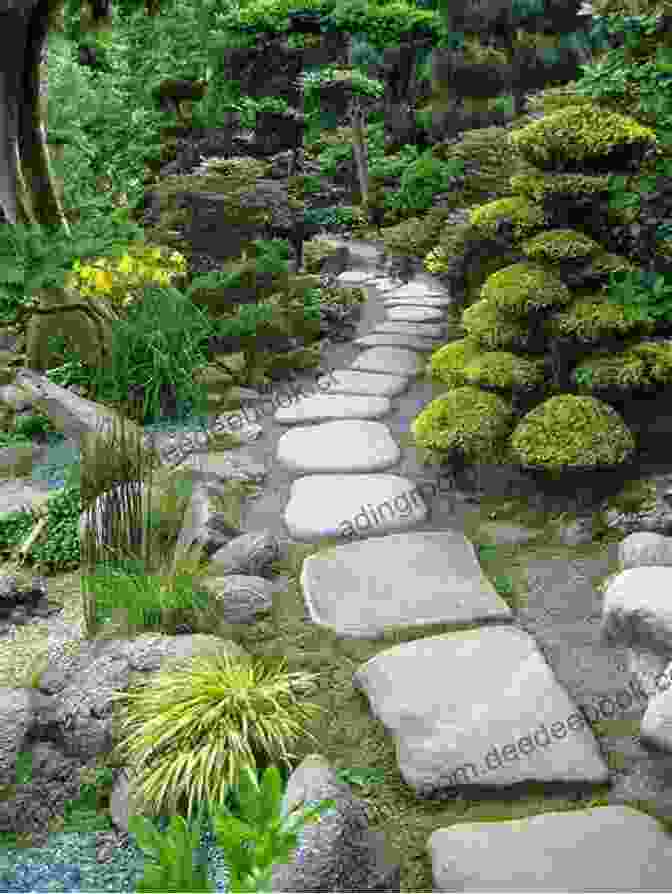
(571,432)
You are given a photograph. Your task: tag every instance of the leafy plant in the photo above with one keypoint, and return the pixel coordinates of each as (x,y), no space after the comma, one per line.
(644,295)
(252,844)
(215,713)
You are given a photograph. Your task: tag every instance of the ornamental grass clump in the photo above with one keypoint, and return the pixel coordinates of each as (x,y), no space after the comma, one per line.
(192,729)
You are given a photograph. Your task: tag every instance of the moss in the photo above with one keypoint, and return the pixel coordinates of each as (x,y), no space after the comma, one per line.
(488,165)
(446,364)
(540,185)
(526,217)
(485,323)
(520,289)
(578,135)
(591,318)
(466,420)
(316,251)
(606,263)
(553,99)
(646,364)
(568,431)
(463,362)
(557,245)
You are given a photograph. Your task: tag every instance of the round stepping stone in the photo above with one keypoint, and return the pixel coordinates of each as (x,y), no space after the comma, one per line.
(350,381)
(414,314)
(429,301)
(346,445)
(321,407)
(439,568)
(415,290)
(355,276)
(329,506)
(433,330)
(390,360)
(394,340)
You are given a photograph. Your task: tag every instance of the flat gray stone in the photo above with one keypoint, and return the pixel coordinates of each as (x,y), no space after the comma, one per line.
(429,301)
(345,445)
(574,850)
(394,340)
(656,725)
(393,361)
(328,506)
(385,284)
(432,330)
(454,703)
(416,290)
(350,381)
(322,407)
(361,588)
(355,277)
(414,314)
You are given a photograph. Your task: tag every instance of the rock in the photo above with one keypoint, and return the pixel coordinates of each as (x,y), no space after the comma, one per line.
(248,554)
(390,361)
(645,548)
(239,598)
(339,446)
(636,611)
(414,314)
(21,598)
(571,851)
(464,738)
(340,852)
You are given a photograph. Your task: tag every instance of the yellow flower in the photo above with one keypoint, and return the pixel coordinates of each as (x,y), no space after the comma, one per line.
(104,281)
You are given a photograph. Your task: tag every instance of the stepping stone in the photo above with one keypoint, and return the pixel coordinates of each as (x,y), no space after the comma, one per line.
(385,284)
(328,505)
(414,314)
(320,407)
(416,290)
(350,381)
(361,588)
(473,731)
(433,330)
(355,277)
(393,339)
(573,850)
(345,445)
(418,302)
(390,360)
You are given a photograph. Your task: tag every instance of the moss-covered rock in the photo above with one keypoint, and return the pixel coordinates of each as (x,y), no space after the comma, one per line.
(558,245)
(582,136)
(644,365)
(467,422)
(521,289)
(463,362)
(590,318)
(486,324)
(526,218)
(571,432)
(552,99)
(602,265)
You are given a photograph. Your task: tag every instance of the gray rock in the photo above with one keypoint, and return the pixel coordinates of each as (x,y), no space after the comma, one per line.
(645,548)
(239,598)
(248,554)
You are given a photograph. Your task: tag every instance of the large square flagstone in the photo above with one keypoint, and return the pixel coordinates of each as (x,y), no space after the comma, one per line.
(393,361)
(323,407)
(422,577)
(344,445)
(337,505)
(350,381)
(479,707)
(572,850)
(414,314)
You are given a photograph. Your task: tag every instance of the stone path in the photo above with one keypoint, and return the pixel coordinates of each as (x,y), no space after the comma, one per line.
(481,709)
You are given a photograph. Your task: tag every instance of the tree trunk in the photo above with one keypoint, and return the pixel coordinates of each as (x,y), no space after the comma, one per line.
(27,192)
